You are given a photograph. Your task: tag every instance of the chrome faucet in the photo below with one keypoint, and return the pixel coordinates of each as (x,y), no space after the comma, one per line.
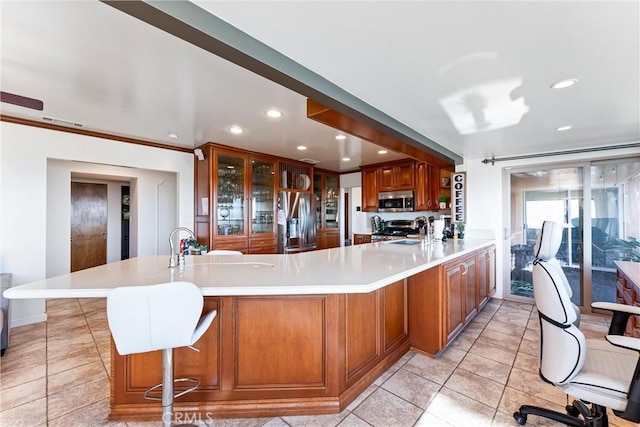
(172,259)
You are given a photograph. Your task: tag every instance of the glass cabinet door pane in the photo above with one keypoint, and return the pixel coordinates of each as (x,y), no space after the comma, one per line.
(262,200)
(230,203)
(331,205)
(317,195)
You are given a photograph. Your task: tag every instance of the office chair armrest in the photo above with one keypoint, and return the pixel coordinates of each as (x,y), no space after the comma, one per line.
(615,307)
(624,342)
(621,314)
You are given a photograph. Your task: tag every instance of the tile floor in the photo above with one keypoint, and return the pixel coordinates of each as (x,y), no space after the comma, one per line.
(56,373)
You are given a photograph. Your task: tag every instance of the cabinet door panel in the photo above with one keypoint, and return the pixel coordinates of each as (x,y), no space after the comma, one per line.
(471,289)
(386,178)
(362,331)
(404,176)
(456,295)
(395,324)
(369,190)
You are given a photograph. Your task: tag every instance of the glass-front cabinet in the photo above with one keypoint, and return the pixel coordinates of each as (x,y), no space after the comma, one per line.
(230,201)
(326,191)
(262,197)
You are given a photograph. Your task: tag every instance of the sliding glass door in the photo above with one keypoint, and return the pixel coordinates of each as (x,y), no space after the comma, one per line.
(595,234)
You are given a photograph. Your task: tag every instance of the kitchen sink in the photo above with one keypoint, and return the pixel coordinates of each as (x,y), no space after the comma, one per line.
(406,242)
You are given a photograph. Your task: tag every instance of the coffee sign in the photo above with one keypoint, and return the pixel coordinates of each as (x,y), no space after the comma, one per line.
(458,189)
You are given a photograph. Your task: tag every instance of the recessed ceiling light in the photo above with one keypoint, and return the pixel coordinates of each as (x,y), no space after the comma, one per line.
(301,147)
(236,129)
(564,84)
(173,135)
(382,151)
(274,114)
(563,128)
(345,159)
(341,137)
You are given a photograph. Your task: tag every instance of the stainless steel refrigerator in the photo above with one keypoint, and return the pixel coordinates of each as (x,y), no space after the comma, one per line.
(296,222)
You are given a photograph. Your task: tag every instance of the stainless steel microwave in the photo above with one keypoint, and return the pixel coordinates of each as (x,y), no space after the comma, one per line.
(395,201)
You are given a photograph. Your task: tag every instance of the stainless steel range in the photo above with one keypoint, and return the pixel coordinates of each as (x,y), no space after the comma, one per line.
(395,230)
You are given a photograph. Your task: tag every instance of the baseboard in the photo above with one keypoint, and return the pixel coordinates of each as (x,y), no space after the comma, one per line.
(22,321)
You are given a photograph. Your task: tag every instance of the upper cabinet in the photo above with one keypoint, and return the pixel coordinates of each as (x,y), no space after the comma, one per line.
(235,203)
(424,179)
(396,176)
(370,189)
(427,187)
(326,190)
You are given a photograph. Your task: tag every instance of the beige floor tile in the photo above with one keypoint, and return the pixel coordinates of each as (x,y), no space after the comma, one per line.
(505,328)
(430,420)
(27,333)
(594,330)
(76,355)
(23,393)
(383,406)
(358,400)
(534,323)
(75,376)
(452,355)
(513,311)
(22,375)
(519,305)
(95,415)
(526,362)
(30,414)
(39,344)
(510,319)
(487,368)
(459,410)
(314,420)
(434,370)
(80,396)
(463,342)
(531,335)
(511,342)
(273,422)
(412,388)
(529,347)
(352,420)
(615,421)
(12,360)
(531,383)
(476,387)
(493,352)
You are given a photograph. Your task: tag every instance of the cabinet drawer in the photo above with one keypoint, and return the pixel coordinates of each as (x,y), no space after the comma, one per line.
(261,243)
(264,250)
(240,245)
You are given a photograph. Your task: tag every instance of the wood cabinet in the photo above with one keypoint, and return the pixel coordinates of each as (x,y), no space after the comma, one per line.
(326,190)
(274,356)
(359,239)
(235,202)
(427,187)
(628,293)
(426,181)
(370,190)
(444,299)
(396,176)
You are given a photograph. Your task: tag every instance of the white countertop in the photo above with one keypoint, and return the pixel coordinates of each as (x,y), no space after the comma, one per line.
(351,269)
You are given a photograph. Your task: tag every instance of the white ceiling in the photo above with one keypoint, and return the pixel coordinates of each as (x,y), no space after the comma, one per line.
(472,76)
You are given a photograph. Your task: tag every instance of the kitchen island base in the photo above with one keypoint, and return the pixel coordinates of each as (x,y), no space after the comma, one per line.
(274,355)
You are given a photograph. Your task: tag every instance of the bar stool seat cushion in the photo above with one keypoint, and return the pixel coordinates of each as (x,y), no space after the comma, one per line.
(156,317)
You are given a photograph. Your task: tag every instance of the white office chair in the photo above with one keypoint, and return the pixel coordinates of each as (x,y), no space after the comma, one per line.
(223,252)
(604,373)
(158,317)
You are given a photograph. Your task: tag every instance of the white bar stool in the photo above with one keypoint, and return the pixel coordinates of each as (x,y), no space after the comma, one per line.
(141,319)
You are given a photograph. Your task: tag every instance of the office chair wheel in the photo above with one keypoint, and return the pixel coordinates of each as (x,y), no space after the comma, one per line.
(520,418)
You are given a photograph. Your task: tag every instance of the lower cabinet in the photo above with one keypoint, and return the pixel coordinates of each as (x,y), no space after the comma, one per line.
(444,299)
(359,239)
(327,238)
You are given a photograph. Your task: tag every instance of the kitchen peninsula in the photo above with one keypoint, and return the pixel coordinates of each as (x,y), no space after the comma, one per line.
(295,334)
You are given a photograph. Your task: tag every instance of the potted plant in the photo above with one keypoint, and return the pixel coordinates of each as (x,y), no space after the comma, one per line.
(443,201)
(460,228)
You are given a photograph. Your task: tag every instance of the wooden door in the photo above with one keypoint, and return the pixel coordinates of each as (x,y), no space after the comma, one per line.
(386,178)
(421,192)
(88,225)
(471,289)
(456,295)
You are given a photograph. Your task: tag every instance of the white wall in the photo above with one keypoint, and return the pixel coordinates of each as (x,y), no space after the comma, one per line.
(24,155)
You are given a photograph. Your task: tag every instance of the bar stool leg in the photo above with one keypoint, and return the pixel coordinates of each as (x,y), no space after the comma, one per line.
(167,387)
